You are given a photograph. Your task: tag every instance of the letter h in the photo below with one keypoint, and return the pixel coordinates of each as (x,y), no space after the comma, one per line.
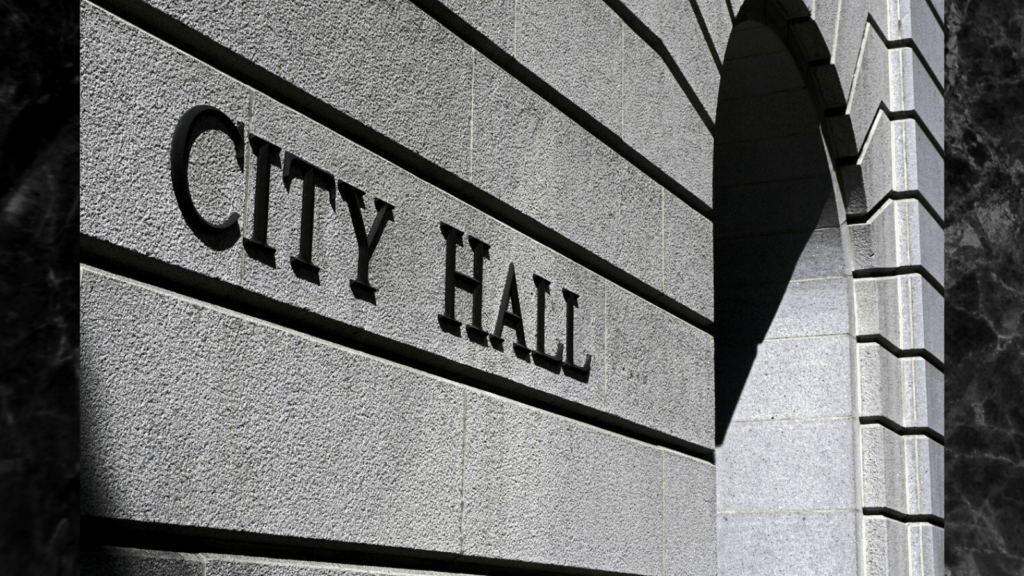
(454,279)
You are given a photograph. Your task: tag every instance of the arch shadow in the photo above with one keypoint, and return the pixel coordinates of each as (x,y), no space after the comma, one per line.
(784,147)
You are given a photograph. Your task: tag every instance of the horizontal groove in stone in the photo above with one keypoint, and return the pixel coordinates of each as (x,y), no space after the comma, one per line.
(900,271)
(905,518)
(110,532)
(528,78)
(129,264)
(167,29)
(895,351)
(904,431)
(906,43)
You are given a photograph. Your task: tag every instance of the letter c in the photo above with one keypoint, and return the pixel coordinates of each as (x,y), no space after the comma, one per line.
(192,124)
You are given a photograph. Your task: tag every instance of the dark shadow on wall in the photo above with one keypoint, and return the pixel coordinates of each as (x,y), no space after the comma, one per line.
(772,190)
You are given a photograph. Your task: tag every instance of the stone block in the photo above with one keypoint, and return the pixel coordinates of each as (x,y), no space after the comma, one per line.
(806,308)
(660,122)
(900,234)
(925,384)
(216,420)
(647,12)
(801,255)
(883,468)
(883,390)
(134,91)
(541,488)
(907,391)
(786,465)
(927,543)
(922,168)
(873,83)
(745,118)
(408,266)
(529,155)
(912,89)
(787,158)
(898,157)
(904,309)
(689,264)
(850,34)
(745,76)
(718,21)
(366,59)
(914,20)
(925,474)
(660,370)
(886,547)
(797,379)
(132,562)
(752,38)
(576,46)
(684,39)
(794,543)
(804,204)
(689,516)
(495,19)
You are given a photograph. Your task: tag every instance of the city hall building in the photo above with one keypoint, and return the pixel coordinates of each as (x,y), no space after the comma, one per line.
(588,287)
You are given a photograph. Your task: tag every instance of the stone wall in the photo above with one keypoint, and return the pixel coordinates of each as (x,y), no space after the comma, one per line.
(433,285)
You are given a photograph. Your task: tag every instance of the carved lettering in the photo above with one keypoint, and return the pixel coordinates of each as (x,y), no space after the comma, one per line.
(571,303)
(514,318)
(194,123)
(266,154)
(543,288)
(454,279)
(312,177)
(367,245)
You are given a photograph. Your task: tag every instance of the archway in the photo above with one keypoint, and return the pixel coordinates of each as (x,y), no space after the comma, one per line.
(786,421)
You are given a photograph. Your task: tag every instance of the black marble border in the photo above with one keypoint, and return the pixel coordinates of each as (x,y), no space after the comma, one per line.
(985,280)
(39,194)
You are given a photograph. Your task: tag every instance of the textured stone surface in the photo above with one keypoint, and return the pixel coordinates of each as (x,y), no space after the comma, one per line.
(494,19)
(134,90)
(909,88)
(900,234)
(685,42)
(689,264)
(908,391)
(576,46)
(884,468)
(541,488)
(793,543)
(408,266)
(689,516)
(418,66)
(807,308)
(660,370)
(39,296)
(219,421)
(786,465)
(820,256)
(985,247)
(659,121)
(925,475)
(914,20)
(905,310)
(529,155)
(798,378)
(886,547)
(927,542)
(901,473)
(898,157)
